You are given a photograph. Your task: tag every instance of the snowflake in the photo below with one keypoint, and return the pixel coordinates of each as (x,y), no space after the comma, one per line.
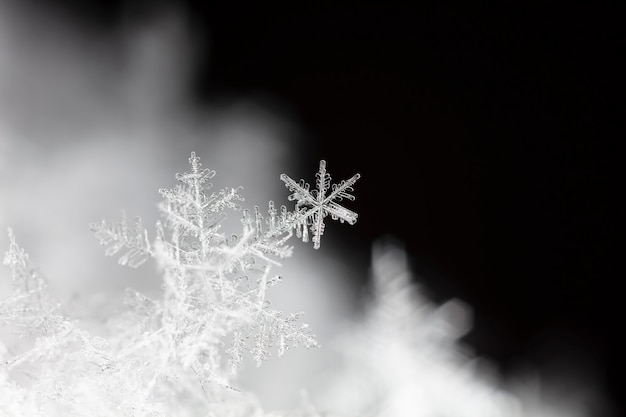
(314,206)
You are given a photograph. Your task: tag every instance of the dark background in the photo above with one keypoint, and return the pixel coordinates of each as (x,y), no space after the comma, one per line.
(486,136)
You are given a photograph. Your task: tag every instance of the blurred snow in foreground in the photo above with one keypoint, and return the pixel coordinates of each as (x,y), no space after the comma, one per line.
(90,125)
(404,357)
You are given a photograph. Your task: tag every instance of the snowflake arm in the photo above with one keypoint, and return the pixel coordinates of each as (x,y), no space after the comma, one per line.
(25,276)
(122,235)
(315,205)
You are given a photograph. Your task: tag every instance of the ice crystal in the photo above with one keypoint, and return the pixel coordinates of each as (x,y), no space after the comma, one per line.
(314,206)
(132,238)
(184,347)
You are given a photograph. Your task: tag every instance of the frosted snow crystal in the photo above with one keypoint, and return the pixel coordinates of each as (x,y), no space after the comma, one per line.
(314,206)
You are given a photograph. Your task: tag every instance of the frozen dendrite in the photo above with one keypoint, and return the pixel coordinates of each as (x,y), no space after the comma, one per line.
(185,347)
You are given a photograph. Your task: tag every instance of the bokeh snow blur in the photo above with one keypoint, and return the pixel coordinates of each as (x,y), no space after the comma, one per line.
(93,124)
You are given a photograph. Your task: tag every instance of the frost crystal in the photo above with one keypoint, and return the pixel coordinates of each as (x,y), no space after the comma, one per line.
(186,346)
(121,235)
(313,206)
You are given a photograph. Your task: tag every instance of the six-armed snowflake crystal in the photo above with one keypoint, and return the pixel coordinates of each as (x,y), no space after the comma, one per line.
(314,206)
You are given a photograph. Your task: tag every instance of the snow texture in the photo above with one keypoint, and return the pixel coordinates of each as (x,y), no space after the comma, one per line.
(185,348)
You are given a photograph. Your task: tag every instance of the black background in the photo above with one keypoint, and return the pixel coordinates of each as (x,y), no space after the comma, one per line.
(486,136)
